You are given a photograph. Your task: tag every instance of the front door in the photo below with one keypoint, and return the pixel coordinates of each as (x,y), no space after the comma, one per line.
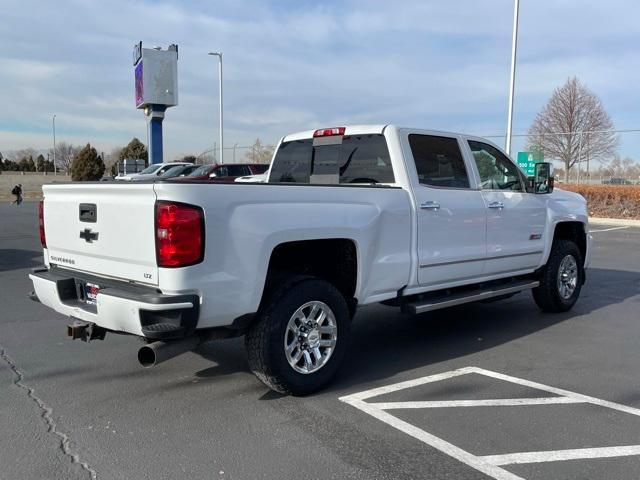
(451,214)
(515,219)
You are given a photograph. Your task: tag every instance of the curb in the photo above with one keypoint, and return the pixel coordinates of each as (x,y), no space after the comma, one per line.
(614,221)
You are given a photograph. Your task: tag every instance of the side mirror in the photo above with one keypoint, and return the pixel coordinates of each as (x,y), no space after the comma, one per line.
(213,175)
(543,179)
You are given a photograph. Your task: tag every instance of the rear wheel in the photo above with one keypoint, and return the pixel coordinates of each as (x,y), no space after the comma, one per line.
(299,338)
(561,278)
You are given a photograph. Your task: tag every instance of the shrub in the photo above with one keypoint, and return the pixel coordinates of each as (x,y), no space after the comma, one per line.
(609,201)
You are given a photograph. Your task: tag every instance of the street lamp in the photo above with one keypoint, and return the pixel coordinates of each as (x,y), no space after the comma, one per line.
(55,171)
(219,55)
(514,47)
(234,152)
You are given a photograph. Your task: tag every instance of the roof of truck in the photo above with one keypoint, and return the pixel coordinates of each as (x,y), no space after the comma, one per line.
(349,130)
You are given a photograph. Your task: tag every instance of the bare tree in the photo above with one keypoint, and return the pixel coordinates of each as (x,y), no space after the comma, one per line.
(558,129)
(259,152)
(64,155)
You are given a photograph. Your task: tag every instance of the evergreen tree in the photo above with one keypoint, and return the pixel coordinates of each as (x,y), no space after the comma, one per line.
(87,165)
(40,163)
(134,150)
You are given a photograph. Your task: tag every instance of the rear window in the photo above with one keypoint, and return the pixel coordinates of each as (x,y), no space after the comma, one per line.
(359,159)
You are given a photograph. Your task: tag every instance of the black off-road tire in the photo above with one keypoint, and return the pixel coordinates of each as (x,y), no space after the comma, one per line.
(547,296)
(264,341)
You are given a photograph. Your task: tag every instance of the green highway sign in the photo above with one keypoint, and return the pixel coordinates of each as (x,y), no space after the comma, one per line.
(527,161)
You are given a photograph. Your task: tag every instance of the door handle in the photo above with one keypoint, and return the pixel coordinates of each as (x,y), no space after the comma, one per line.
(430,205)
(499,205)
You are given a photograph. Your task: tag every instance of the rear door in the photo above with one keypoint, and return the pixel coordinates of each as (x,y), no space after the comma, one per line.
(451,213)
(105,229)
(516,219)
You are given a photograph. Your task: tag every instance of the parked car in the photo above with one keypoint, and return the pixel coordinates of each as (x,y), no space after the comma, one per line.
(178,171)
(617,181)
(227,172)
(152,171)
(350,216)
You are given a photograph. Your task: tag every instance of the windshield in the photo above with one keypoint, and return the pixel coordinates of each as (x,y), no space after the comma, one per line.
(173,171)
(203,170)
(151,169)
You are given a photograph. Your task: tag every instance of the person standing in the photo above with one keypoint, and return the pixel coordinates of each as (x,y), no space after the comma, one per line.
(17,191)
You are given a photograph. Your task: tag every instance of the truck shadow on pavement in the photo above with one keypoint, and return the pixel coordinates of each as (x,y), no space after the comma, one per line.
(385,342)
(16,259)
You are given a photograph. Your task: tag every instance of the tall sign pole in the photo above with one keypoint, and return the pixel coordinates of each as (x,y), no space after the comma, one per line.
(156,89)
(514,48)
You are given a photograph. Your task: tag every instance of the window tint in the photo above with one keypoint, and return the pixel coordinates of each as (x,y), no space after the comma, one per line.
(292,162)
(258,169)
(359,159)
(365,159)
(497,172)
(438,161)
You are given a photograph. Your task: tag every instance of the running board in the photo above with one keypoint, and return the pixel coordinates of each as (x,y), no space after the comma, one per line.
(450,300)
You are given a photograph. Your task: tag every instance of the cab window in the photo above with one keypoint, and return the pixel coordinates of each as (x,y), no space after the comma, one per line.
(497,172)
(439,162)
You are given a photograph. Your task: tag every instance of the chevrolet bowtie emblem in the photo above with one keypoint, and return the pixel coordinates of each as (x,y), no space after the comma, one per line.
(88,235)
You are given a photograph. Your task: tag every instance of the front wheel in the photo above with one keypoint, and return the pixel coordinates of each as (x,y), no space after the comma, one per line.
(561,278)
(299,338)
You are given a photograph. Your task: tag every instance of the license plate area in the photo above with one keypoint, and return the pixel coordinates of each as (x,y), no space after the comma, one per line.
(87,292)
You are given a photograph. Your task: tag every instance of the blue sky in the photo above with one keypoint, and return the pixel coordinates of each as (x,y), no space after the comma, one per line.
(297,65)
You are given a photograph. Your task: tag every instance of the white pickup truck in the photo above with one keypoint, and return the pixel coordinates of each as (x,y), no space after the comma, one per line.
(349,216)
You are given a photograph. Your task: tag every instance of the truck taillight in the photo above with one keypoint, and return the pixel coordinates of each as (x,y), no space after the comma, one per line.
(179,234)
(329,132)
(43,237)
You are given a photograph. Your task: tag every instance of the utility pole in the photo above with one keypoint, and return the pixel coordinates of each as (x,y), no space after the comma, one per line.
(55,168)
(512,82)
(219,55)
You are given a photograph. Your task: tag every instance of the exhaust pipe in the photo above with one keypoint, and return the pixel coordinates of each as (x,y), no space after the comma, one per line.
(158,352)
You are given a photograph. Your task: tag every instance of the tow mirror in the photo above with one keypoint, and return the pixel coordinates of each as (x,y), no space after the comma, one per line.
(543,179)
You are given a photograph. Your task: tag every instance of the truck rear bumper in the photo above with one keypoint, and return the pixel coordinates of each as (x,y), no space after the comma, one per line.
(120,306)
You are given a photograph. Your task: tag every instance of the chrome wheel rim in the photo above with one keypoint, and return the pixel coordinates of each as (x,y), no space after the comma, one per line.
(310,337)
(567,277)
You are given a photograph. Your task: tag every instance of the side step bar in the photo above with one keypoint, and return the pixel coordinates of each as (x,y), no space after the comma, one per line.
(444,301)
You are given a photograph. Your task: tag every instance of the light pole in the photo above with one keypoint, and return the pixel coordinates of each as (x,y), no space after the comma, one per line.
(234,152)
(219,55)
(514,47)
(55,168)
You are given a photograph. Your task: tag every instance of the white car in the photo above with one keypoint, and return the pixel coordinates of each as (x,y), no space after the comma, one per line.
(152,171)
(350,216)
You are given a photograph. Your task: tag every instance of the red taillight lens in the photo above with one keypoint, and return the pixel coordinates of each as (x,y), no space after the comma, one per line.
(329,132)
(179,234)
(43,237)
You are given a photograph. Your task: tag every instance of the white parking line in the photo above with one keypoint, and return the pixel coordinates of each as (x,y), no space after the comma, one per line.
(488,464)
(560,455)
(500,402)
(607,229)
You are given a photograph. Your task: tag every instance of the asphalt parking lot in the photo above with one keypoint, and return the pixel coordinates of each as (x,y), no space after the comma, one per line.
(530,395)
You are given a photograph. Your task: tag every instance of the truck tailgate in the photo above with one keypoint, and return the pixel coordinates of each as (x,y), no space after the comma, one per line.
(102,228)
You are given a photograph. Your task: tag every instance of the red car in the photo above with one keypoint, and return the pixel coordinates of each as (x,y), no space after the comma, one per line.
(227,172)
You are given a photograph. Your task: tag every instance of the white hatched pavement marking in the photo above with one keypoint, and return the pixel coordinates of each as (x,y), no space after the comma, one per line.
(500,402)
(488,464)
(560,455)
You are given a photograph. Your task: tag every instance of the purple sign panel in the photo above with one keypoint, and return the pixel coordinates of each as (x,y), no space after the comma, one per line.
(139,89)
